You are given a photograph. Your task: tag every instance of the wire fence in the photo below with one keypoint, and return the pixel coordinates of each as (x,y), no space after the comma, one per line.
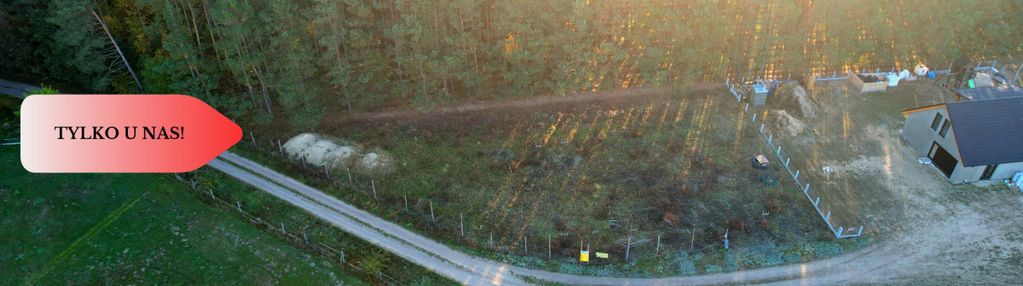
(436,218)
(794,173)
(988,66)
(280,229)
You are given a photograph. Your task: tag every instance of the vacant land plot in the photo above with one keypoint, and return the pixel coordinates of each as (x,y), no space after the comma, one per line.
(134,229)
(599,174)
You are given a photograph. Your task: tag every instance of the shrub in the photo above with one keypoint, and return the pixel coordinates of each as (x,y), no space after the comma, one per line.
(712,268)
(687,263)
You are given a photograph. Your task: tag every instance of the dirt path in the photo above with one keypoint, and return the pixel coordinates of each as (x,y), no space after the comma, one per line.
(522,103)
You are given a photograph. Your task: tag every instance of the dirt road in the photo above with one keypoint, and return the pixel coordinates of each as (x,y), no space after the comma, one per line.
(948,248)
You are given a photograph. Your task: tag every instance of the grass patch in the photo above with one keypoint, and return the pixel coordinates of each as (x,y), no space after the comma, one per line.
(135,229)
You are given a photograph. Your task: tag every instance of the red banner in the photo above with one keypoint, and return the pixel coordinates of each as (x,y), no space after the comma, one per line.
(121,133)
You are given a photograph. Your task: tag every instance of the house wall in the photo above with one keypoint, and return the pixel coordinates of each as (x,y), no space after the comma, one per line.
(972,174)
(1005,171)
(964,174)
(918,134)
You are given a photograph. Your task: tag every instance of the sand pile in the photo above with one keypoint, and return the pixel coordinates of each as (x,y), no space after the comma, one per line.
(786,123)
(809,111)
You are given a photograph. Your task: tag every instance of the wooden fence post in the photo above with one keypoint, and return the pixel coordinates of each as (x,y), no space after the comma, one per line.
(349,170)
(658,249)
(628,246)
(548,246)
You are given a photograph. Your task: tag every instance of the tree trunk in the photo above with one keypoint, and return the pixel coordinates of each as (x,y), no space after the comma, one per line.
(209,27)
(118,48)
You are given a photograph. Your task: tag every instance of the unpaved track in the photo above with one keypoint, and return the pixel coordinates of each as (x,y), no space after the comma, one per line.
(536,101)
(477,275)
(889,262)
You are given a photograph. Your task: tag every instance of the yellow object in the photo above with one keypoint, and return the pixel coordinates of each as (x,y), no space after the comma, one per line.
(584,256)
(602,255)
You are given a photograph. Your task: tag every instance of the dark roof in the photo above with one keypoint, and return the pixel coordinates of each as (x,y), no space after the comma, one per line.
(988,131)
(991,92)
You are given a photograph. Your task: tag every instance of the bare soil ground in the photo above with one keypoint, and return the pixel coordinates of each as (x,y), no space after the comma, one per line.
(930,232)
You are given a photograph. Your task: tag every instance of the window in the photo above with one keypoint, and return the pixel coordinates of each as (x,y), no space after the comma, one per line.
(937,120)
(944,128)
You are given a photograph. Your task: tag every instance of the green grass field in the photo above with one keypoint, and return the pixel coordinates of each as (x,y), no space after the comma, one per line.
(88,229)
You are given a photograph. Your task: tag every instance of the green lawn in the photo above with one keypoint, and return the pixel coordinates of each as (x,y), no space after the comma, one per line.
(135,229)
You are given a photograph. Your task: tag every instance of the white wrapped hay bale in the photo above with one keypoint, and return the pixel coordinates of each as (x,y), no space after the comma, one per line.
(375,162)
(317,153)
(321,152)
(296,146)
(342,156)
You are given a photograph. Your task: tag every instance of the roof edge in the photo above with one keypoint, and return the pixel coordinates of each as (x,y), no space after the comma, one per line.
(923,108)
